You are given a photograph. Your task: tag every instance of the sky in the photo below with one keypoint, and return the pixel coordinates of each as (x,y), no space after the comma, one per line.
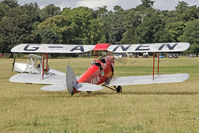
(125,4)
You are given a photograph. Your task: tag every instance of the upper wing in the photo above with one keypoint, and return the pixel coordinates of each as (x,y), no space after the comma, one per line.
(148,79)
(68,48)
(153,47)
(51,48)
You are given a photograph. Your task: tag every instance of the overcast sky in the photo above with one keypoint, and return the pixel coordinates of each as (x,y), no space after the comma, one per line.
(125,4)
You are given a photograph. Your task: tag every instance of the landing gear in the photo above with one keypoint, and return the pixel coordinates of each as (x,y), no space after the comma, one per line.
(72,93)
(119,89)
(89,92)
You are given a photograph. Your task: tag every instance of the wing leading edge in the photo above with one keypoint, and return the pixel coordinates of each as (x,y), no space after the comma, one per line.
(51,48)
(123,48)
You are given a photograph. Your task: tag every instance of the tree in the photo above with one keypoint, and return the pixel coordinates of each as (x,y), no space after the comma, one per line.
(145,9)
(3,10)
(32,10)
(118,8)
(101,12)
(57,26)
(48,37)
(150,30)
(132,20)
(95,33)
(10,3)
(128,37)
(81,25)
(190,13)
(6,5)
(175,30)
(15,28)
(181,7)
(85,25)
(49,11)
(147,3)
(116,24)
(185,13)
(191,35)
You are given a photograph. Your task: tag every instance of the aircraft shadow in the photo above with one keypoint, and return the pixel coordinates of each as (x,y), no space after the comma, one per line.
(106,94)
(160,93)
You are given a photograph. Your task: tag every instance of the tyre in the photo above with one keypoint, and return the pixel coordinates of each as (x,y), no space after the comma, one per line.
(119,89)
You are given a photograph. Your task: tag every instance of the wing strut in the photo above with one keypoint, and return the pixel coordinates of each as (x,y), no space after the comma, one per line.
(158,70)
(158,63)
(43,66)
(43,63)
(153,64)
(46,63)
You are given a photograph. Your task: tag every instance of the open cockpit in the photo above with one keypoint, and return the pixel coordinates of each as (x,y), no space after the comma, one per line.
(34,65)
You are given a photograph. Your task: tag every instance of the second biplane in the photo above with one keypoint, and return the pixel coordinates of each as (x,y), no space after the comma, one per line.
(100,72)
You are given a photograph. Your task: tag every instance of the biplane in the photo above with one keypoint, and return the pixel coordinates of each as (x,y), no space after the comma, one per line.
(99,75)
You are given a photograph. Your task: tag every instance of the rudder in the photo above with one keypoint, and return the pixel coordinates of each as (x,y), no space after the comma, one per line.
(70,79)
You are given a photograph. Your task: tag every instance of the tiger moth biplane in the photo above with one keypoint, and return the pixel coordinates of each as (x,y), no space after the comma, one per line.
(101,72)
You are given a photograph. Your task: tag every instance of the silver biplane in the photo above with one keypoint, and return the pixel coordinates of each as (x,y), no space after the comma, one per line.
(101,72)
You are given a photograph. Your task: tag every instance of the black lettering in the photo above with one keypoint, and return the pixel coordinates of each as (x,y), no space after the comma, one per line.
(142,48)
(168,46)
(122,47)
(81,48)
(30,49)
(115,48)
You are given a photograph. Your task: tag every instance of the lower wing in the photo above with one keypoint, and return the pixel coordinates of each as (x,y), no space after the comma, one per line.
(148,79)
(37,78)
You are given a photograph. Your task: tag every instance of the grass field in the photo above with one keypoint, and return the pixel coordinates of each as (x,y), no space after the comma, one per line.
(159,108)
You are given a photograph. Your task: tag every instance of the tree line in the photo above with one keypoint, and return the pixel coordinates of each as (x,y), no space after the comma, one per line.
(143,24)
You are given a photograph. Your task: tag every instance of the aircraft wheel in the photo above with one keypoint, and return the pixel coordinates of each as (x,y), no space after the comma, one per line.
(72,93)
(119,89)
(89,92)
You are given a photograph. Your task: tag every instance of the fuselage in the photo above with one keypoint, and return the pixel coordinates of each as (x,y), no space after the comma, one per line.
(99,72)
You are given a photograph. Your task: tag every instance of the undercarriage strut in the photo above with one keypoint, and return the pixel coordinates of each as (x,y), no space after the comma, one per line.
(118,89)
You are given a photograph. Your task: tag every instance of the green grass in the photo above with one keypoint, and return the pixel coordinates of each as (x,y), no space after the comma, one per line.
(164,108)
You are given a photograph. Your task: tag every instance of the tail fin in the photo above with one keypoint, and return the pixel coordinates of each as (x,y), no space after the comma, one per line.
(73,86)
(70,79)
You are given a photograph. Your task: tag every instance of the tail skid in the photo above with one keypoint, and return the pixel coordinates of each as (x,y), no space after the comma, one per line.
(73,86)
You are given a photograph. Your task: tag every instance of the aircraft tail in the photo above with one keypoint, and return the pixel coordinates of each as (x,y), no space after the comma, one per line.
(73,86)
(70,80)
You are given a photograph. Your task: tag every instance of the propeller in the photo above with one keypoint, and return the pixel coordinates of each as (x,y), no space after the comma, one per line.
(13,64)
